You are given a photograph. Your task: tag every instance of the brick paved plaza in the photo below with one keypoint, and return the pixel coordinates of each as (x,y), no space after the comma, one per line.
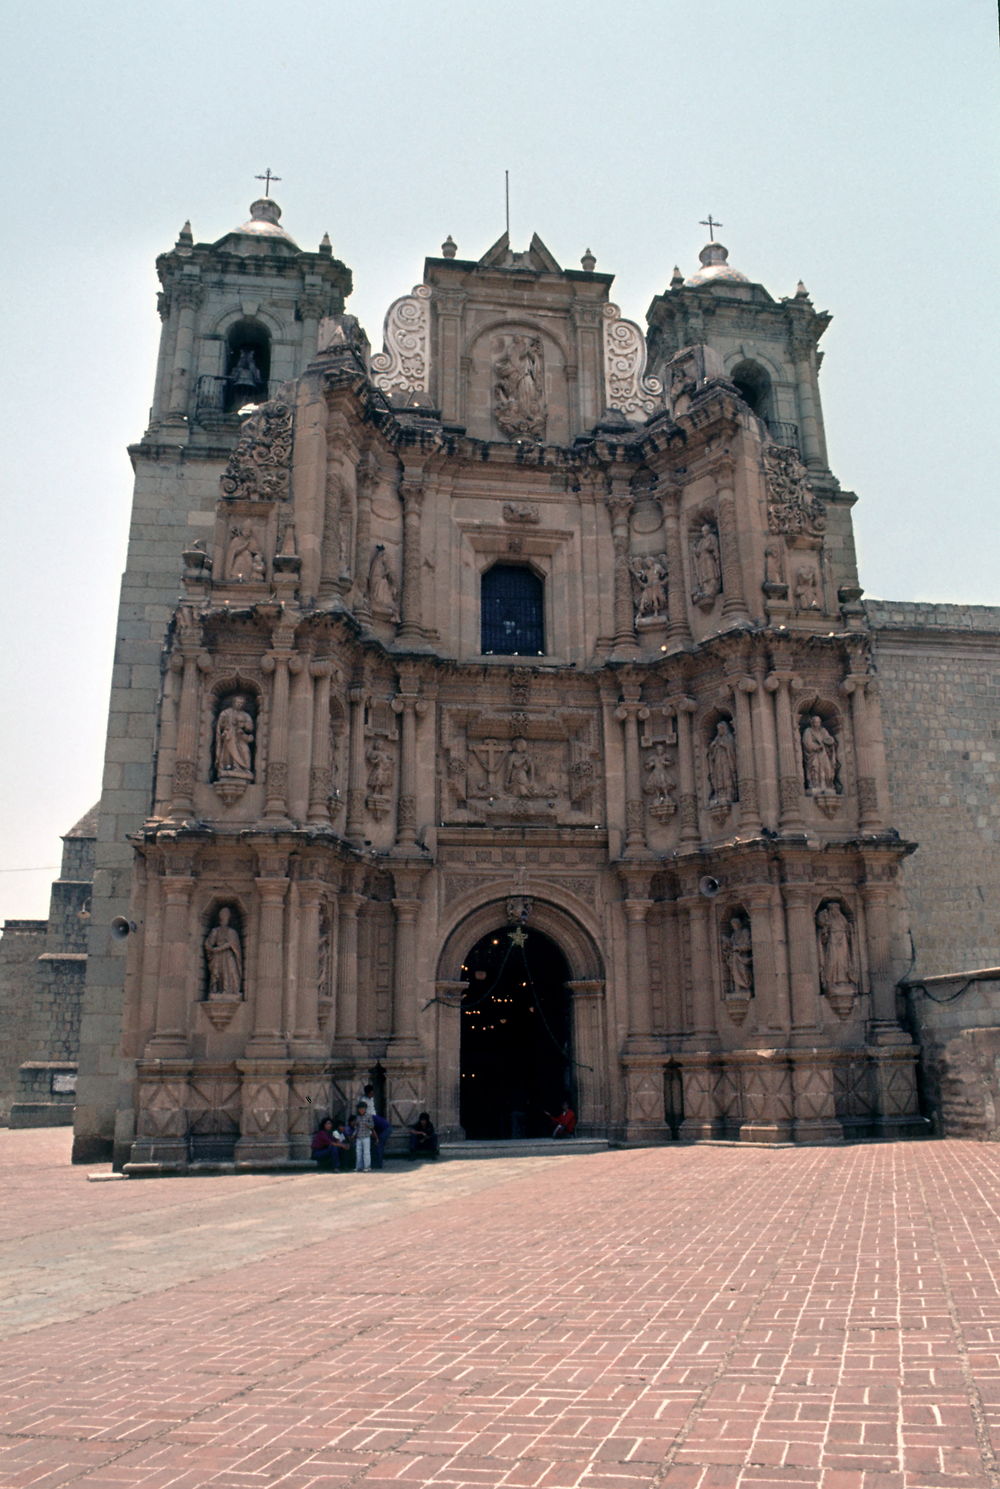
(697,1318)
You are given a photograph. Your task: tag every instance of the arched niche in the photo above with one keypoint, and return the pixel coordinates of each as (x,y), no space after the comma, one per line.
(247,363)
(514,359)
(753,383)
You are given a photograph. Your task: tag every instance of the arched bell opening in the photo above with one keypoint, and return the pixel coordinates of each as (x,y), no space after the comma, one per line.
(248,364)
(516,1036)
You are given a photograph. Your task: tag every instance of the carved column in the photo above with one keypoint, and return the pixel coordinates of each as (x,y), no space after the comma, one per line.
(187,298)
(589,1045)
(876,897)
(803,967)
(411,606)
(789,755)
(305,1022)
(640,994)
(319,754)
(765,752)
(356,775)
(742,689)
(687,796)
(404,983)
(173,993)
(405,705)
(310,310)
(803,353)
(276,803)
(770,986)
(734,605)
(448,1044)
(367,475)
(346,1020)
(268,1034)
(619,505)
(185,763)
(628,714)
(678,629)
(703,1009)
(869,816)
(167,751)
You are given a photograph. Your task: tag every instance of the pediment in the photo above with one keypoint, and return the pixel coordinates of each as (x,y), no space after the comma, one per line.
(536,258)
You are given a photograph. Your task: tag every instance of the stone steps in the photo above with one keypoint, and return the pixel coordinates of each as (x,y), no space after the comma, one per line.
(524,1147)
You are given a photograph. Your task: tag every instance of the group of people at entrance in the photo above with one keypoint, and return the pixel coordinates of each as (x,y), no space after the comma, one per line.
(366,1133)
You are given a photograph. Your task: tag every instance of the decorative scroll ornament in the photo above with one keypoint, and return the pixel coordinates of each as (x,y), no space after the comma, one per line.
(258,469)
(791,506)
(404,364)
(629,390)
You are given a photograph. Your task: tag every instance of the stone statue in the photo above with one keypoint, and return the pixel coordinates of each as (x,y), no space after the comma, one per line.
(836,955)
(722,765)
(519,771)
(234,732)
(658,782)
(519,386)
(806,590)
(649,584)
(773,568)
(379,768)
(382,594)
(244,559)
(819,756)
(737,947)
(707,564)
(225,958)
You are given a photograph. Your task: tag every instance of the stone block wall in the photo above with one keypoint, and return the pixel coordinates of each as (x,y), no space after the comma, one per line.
(960,1055)
(939,685)
(21,944)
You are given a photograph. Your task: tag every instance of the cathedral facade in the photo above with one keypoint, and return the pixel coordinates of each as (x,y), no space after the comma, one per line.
(515,736)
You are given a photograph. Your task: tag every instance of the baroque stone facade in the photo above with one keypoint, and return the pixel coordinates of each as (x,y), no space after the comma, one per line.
(515,735)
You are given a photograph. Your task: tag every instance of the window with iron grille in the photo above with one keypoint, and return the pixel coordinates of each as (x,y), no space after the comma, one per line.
(513,598)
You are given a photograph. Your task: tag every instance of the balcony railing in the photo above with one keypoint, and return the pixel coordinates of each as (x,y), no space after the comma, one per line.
(783,433)
(215,396)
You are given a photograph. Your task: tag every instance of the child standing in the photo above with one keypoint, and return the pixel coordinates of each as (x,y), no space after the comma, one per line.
(364,1126)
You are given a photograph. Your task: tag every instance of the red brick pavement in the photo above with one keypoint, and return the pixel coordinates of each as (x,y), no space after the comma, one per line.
(696,1318)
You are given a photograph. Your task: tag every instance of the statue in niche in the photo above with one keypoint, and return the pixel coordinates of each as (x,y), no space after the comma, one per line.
(819,757)
(658,783)
(836,953)
(649,585)
(707,564)
(379,763)
(225,958)
(519,386)
(722,765)
(519,771)
(737,948)
(234,732)
(806,590)
(244,559)
(774,571)
(245,379)
(383,598)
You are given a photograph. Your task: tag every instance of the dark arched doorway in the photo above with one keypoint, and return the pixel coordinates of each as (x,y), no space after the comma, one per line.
(516,1056)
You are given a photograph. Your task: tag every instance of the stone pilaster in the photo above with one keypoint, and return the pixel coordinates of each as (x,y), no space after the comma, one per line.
(687,795)
(810,426)
(619,504)
(367,476)
(789,758)
(870,818)
(412,496)
(770,976)
(305,1015)
(346,1017)
(174,993)
(404,984)
(185,300)
(268,1039)
(765,752)
(407,705)
(356,770)
(678,628)
(276,804)
(592,1095)
(703,999)
(803,967)
(185,762)
(734,604)
(628,714)
(319,754)
(448,1043)
(742,689)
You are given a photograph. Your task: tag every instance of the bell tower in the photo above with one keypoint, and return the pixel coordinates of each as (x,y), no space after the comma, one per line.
(240,317)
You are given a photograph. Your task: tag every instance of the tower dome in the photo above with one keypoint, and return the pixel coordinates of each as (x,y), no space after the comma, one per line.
(714,257)
(264,215)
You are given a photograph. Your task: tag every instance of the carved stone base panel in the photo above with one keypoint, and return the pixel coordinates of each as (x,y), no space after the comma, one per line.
(895,1079)
(813,1087)
(264,1113)
(699,1075)
(406,1094)
(767,1096)
(308,1103)
(645,1107)
(162,1115)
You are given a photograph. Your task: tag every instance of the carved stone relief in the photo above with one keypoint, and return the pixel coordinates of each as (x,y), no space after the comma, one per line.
(721,761)
(381,771)
(518,376)
(660,784)
(807,588)
(629,389)
(258,469)
(706,566)
(244,556)
(403,366)
(383,591)
(791,506)
(649,586)
(524,512)
(837,963)
(737,954)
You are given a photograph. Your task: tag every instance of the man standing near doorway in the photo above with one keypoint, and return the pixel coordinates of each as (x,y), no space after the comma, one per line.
(383,1128)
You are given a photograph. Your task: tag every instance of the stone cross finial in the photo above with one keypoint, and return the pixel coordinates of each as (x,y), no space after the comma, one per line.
(708,222)
(267,178)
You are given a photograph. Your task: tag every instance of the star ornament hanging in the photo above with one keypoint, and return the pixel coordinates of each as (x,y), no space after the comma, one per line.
(518,937)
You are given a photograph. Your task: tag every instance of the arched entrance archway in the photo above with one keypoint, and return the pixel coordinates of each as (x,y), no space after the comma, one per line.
(516,1035)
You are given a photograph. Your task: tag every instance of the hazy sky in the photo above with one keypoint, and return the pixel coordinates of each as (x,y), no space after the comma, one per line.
(849,143)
